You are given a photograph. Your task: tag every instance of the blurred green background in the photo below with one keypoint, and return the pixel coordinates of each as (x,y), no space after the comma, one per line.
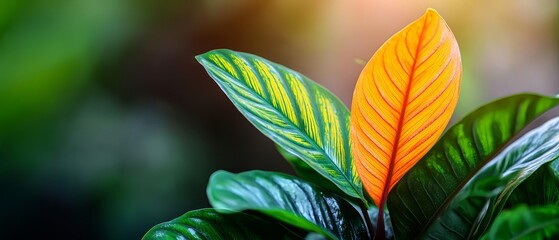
(109,126)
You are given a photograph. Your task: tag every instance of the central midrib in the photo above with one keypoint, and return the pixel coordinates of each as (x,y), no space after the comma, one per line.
(401,119)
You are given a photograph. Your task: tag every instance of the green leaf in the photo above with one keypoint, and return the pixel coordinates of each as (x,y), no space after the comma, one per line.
(476,205)
(424,193)
(523,222)
(542,188)
(287,199)
(209,224)
(307,173)
(298,114)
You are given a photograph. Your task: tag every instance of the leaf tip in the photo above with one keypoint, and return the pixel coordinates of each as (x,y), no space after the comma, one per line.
(432,16)
(207,55)
(431,11)
(199,57)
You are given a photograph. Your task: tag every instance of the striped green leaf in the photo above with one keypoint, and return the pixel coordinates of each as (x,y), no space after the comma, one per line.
(307,173)
(298,114)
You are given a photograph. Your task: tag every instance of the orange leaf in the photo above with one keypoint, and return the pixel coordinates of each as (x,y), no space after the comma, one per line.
(402,102)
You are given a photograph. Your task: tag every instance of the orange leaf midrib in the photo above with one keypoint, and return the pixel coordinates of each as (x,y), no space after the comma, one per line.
(391,165)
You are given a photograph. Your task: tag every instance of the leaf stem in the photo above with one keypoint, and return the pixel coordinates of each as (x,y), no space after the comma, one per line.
(379,233)
(367,219)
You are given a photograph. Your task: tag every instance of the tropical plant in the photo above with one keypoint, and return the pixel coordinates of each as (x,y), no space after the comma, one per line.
(381,173)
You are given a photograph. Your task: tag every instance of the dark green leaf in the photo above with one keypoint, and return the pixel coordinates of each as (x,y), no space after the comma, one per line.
(476,205)
(298,114)
(287,199)
(208,224)
(522,222)
(424,193)
(542,188)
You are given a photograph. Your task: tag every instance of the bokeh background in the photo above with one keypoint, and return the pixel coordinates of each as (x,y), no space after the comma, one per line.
(109,126)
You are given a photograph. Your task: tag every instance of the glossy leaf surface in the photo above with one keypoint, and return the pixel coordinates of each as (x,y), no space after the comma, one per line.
(298,114)
(287,199)
(307,173)
(425,191)
(403,101)
(475,207)
(207,224)
(542,188)
(526,223)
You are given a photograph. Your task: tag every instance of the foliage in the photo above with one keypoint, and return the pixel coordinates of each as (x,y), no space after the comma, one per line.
(523,222)
(210,224)
(402,102)
(453,188)
(279,195)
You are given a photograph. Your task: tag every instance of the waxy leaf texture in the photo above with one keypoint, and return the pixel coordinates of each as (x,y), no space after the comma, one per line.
(300,116)
(204,224)
(403,101)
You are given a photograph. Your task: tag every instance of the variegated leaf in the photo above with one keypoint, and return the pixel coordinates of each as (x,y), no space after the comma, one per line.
(298,114)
